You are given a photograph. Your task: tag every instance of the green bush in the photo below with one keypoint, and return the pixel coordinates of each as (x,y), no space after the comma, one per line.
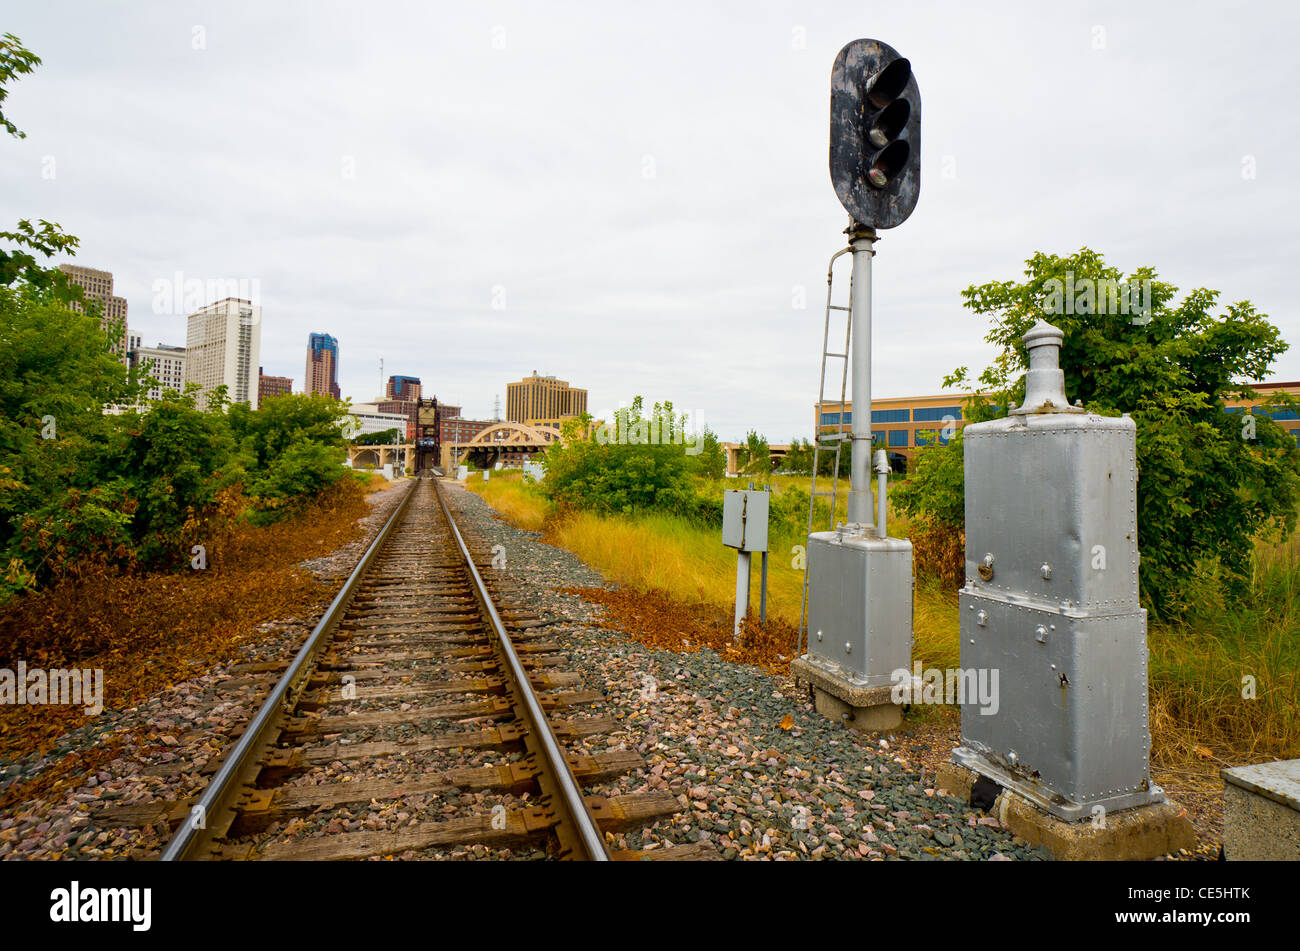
(629,465)
(1206,487)
(298,474)
(79,485)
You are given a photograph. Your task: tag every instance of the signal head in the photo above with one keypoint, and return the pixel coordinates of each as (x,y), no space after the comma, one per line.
(875,154)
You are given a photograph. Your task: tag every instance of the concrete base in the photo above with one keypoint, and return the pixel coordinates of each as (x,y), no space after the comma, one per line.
(866,709)
(1261,812)
(1143,832)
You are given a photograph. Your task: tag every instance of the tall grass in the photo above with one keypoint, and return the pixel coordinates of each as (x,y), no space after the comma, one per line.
(1205,667)
(521,504)
(656,551)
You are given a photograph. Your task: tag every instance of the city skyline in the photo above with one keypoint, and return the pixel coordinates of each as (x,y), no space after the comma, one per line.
(395,206)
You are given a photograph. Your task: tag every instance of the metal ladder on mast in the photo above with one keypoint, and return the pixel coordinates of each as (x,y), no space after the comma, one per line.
(820,438)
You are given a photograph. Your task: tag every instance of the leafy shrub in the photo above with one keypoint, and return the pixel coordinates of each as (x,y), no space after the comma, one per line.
(1205,488)
(297,475)
(616,469)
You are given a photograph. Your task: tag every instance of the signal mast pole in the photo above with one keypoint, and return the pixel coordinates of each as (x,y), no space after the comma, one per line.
(862,240)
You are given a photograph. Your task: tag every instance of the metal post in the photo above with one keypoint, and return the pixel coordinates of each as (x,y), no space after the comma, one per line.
(762,591)
(742,590)
(882,473)
(862,239)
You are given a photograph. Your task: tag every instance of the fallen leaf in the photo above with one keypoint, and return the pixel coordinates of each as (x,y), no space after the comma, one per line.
(787,722)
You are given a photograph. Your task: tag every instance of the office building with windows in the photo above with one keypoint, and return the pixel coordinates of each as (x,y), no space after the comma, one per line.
(405,388)
(223,344)
(904,424)
(164,363)
(899,424)
(1288,419)
(268,386)
(543,397)
(97,288)
(322,374)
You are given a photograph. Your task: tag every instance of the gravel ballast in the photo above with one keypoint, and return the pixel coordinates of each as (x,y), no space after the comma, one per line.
(711,734)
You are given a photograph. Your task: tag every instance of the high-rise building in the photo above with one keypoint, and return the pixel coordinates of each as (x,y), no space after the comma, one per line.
(164,363)
(97,286)
(222,347)
(543,397)
(268,386)
(322,374)
(404,388)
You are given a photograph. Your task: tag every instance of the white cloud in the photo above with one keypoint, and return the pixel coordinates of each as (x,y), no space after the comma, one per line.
(523,168)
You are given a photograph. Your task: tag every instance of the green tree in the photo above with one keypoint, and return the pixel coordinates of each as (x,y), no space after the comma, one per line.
(711,460)
(755,456)
(48,239)
(799,458)
(1204,491)
(56,377)
(15,61)
(172,462)
(385,437)
(294,446)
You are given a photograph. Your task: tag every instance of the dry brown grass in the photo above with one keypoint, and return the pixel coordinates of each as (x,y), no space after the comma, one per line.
(150,631)
(659,619)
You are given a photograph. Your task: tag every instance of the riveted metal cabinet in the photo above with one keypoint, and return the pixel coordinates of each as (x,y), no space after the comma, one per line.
(1051,509)
(858,630)
(1051,601)
(1069,729)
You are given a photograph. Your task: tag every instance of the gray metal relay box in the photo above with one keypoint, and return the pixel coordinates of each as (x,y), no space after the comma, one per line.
(744,519)
(1051,505)
(861,632)
(1051,601)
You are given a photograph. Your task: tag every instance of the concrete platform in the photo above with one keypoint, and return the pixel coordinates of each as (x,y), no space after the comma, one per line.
(1144,832)
(1261,812)
(861,708)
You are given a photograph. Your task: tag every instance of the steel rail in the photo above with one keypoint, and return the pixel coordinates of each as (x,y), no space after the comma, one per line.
(574,803)
(223,784)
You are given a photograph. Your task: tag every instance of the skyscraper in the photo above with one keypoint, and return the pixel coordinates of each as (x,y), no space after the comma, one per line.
(404,388)
(223,345)
(543,397)
(97,286)
(322,374)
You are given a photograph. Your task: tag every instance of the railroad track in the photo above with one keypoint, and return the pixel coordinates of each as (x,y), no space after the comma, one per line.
(420,658)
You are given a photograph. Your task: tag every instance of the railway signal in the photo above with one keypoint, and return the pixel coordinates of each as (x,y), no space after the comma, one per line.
(875,146)
(858,581)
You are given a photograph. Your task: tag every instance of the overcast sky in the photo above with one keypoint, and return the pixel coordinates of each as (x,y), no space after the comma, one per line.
(635,197)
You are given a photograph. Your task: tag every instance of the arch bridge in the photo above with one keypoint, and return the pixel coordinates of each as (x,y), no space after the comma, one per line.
(498,441)
(376,457)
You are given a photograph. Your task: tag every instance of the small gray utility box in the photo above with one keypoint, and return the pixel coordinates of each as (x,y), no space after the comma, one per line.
(744,519)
